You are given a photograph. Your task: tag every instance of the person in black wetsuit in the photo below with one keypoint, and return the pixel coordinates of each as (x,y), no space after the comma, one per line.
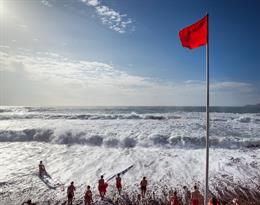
(42,170)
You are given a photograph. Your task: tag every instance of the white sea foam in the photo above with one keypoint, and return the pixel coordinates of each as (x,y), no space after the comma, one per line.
(84,165)
(187,131)
(81,144)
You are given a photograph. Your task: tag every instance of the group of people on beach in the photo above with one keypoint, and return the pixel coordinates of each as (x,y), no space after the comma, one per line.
(189,198)
(102,188)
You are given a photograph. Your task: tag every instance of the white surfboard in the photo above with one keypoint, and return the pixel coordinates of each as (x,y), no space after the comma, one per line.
(49,182)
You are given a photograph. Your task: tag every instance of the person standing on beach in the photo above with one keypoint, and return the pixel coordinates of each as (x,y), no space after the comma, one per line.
(102,186)
(42,170)
(195,196)
(118,184)
(143,185)
(174,199)
(70,192)
(88,196)
(187,196)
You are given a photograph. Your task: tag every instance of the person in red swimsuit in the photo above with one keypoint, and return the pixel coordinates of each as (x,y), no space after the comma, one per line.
(174,199)
(118,184)
(101,183)
(102,187)
(88,196)
(195,196)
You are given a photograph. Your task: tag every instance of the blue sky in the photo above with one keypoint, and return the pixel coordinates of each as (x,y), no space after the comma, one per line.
(127,52)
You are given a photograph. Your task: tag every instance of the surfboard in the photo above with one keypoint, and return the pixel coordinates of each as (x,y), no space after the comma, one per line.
(49,182)
(122,172)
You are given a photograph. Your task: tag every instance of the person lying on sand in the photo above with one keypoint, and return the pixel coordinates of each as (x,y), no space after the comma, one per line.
(118,184)
(143,185)
(70,192)
(42,170)
(88,196)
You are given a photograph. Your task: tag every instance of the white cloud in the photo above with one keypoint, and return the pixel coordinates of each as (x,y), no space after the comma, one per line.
(53,67)
(113,19)
(57,80)
(222,86)
(91,2)
(232,85)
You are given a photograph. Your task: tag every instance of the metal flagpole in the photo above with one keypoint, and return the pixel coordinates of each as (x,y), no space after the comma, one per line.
(207,117)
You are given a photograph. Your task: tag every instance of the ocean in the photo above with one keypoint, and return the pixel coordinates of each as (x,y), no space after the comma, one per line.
(165,144)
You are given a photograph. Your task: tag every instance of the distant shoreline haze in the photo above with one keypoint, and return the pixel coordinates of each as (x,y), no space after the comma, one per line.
(136,109)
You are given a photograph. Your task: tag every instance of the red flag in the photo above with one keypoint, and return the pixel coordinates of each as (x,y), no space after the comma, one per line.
(195,35)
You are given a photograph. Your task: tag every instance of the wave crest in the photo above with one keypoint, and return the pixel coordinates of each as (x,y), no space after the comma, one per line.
(153,140)
(131,116)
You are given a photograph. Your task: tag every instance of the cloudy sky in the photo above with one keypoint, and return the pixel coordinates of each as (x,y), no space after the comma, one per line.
(126,52)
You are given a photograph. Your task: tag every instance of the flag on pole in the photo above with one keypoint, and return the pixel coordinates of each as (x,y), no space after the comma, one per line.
(196,34)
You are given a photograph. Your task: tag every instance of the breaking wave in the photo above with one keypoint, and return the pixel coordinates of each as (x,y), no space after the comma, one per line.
(128,127)
(131,116)
(152,140)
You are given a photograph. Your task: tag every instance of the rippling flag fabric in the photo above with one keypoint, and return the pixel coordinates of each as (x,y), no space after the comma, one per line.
(195,35)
